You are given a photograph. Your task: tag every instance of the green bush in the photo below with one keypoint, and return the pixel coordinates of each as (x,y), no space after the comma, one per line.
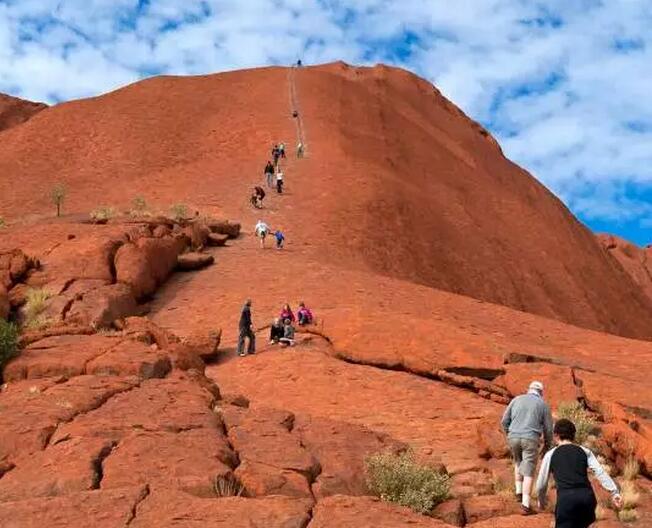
(179,211)
(399,479)
(584,422)
(8,343)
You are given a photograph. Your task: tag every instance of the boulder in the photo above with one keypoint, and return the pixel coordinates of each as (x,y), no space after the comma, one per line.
(216,239)
(198,234)
(491,440)
(484,507)
(5,305)
(206,346)
(130,358)
(17,295)
(185,358)
(161,231)
(450,512)
(100,307)
(225,227)
(194,261)
(146,264)
(260,480)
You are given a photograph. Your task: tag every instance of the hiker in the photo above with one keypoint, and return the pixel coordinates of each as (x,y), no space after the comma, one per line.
(279,181)
(257,197)
(300,150)
(275,154)
(288,334)
(261,230)
(280,239)
(281,150)
(246,330)
(269,174)
(286,313)
(569,464)
(304,315)
(275,331)
(299,63)
(526,418)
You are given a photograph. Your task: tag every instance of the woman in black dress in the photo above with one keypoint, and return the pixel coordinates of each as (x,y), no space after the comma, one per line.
(569,464)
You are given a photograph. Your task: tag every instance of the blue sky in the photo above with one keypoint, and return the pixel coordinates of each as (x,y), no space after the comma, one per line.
(564,85)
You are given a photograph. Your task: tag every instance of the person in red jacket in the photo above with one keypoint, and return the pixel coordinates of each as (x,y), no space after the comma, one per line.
(304,315)
(286,313)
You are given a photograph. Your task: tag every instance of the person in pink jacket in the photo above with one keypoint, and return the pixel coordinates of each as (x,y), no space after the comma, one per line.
(304,315)
(286,313)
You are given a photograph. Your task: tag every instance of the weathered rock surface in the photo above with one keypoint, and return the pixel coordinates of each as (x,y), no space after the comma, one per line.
(15,111)
(194,261)
(100,307)
(5,305)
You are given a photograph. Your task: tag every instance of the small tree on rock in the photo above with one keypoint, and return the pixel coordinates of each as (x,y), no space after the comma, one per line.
(58,196)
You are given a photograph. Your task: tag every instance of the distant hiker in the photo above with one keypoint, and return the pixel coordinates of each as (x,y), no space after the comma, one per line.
(261,230)
(275,331)
(286,313)
(281,150)
(295,113)
(526,418)
(269,174)
(299,150)
(275,154)
(257,197)
(279,182)
(569,464)
(304,315)
(299,63)
(246,330)
(280,239)
(288,334)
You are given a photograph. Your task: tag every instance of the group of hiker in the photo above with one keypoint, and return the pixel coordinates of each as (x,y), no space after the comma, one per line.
(527,419)
(274,177)
(262,230)
(282,329)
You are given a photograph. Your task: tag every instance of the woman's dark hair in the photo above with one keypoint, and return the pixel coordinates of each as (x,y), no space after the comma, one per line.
(565,429)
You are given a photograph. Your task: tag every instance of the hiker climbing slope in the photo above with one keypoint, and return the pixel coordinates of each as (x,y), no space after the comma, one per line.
(246,330)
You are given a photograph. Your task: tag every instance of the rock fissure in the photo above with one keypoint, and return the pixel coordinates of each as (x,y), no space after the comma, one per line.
(137,504)
(98,465)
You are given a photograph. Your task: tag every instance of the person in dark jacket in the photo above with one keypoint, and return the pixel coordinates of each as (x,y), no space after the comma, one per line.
(569,464)
(269,174)
(275,331)
(246,330)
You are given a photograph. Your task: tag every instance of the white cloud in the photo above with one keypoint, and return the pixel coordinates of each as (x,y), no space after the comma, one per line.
(565,86)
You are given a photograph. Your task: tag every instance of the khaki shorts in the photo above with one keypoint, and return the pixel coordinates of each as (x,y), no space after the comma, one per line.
(525,453)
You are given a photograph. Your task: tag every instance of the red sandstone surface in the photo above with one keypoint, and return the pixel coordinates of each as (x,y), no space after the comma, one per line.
(14,111)
(403,222)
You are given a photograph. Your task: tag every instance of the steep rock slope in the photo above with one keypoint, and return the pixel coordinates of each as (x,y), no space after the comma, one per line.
(636,261)
(14,111)
(397,181)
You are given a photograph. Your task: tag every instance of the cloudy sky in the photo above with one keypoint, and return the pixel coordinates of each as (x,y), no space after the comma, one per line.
(565,85)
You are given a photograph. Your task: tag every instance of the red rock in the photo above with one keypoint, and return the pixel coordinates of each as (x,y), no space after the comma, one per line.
(558,381)
(101,509)
(471,483)
(147,264)
(130,358)
(484,507)
(62,469)
(194,261)
(18,295)
(516,521)
(491,440)
(341,511)
(15,111)
(260,480)
(161,231)
(65,355)
(184,357)
(167,509)
(206,346)
(198,234)
(232,230)
(100,307)
(341,449)
(450,512)
(635,260)
(142,329)
(216,239)
(186,460)
(5,305)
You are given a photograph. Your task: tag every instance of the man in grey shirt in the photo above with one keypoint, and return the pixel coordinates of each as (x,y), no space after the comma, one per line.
(526,418)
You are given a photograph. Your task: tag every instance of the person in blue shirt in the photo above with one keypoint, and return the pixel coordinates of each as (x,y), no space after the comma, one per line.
(280,239)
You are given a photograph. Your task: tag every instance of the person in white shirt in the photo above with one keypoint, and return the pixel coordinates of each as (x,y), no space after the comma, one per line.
(279,181)
(261,230)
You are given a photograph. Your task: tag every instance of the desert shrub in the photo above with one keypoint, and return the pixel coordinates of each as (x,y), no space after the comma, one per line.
(628,516)
(179,211)
(631,497)
(600,512)
(2,223)
(139,207)
(34,307)
(8,343)
(584,422)
(102,214)
(228,486)
(631,469)
(399,479)
(58,196)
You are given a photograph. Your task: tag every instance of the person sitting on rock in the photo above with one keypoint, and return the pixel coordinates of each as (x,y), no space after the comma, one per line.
(276,331)
(569,464)
(279,181)
(304,315)
(269,174)
(257,197)
(288,334)
(286,313)
(280,239)
(261,230)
